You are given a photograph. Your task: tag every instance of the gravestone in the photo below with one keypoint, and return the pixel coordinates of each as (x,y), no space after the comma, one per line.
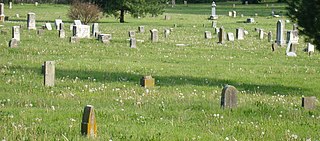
(133,43)
(246,2)
(280,33)
(173,2)
(104,38)
(10,5)
(2,16)
(57,23)
(214,24)
(185,2)
(241,15)
(221,35)
(131,34)
(89,123)
(230,13)
(207,35)
(74,39)
(166,33)
(61,27)
(213,11)
(49,73)
(16,32)
(291,50)
(270,36)
(154,35)
(141,29)
(62,33)
(217,30)
(261,33)
(31,22)
(292,35)
(95,29)
(234,5)
(13,43)
(81,31)
(274,46)
(309,103)
(147,81)
(167,17)
(17,16)
(310,48)
(230,36)
(48,26)
(229,97)
(234,14)
(245,32)
(40,32)
(239,34)
(250,20)
(77,22)
(36,3)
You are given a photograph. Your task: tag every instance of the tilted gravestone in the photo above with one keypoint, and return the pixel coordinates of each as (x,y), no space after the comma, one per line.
(133,43)
(49,73)
(81,31)
(270,36)
(154,35)
(141,29)
(104,38)
(57,23)
(31,21)
(261,33)
(239,34)
(13,43)
(221,35)
(48,26)
(207,35)
(89,123)
(229,97)
(16,32)
(309,103)
(230,36)
(147,81)
(95,30)
(280,33)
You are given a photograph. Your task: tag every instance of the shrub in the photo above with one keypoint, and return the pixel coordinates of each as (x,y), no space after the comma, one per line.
(85,12)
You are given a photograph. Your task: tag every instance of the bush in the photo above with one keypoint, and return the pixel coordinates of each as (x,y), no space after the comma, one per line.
(85,12)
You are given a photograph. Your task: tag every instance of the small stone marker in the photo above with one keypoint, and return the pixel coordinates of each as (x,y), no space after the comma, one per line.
(230,36)
(234,14)
(57,23)
(48,26)
(214,24)
(141,29)
(239,34)
(207,35)
(234,5)
(131,34)
(31,22)
(133,43)
(13,43)
(36,3)
(167,17)
(291,50)
(49,73)
(310,48)
(95,30)
(147,81)
(17,16)
(74,39)
(89,123)
(309,103)
(154,35)
(217,30)
(62,34)
(246,32)
(166,33)
(2,16)
(81,31)
(16,32)
(274,46)
(280,33)
(261,33)
(221,35)
(40,32)
(104,38)
(230,13)
(250,20)
(185,2)
(229,97)
(270,36)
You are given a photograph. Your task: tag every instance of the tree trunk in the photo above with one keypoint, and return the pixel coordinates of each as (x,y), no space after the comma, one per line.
(122,16)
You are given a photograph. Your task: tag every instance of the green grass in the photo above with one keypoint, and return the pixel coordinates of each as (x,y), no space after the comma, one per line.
(184,105)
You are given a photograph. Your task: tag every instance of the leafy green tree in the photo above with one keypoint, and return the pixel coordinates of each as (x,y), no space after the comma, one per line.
(307,14)
(137,8)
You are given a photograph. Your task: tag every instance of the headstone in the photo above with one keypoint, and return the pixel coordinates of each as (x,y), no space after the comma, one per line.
(74,39)
(310,48)
(166,33)
(274,46)
(270,36)
(89,123)
(81,31)
(261,33)
(131,34)
(141,29)
(48,26)
(234,14)
(57,23)
(292,35)
(104,38)
(207,35)
(154,35)
(147,81)
(95,29)
(36,3)
(230,13)
(167,17)
(61,27)
(229,97)
(280,33)
(16,32)
(77,22)
(62,33)
(217,30)
(295,27)
(213,11)
(230,36)
(173,2)
(239,34)
(13,43)
(2,16)
(31,24)
(133,43)
(10,5)
(17,16)
(256,14)
(185,2)
(40,32)
(309,103)
(241,15)
(234,5)
(246,2)
(214,24)
(246,32)
(291,50)
(250,20)
(221,35)
(49,73)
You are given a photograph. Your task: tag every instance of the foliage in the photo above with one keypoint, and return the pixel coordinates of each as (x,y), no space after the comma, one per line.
(307,14)
(85,12)
(251,1)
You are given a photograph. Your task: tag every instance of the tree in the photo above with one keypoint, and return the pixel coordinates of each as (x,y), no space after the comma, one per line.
(85,12)
(307,14)
(137,8)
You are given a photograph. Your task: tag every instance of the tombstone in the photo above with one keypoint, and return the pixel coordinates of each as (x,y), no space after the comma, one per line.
(185,2)
(40,32)
(221,35)
(234,14)
(104,38)
(2,16)
(217,30)
(62,33)
(154,35)
(89,123)
(147,81)
(246,32)
(10,5)
(16,32)
(246,2)
(17,16)
(270,36)
(31,24)
(239,34)
(250,20)
(133,43)
(61,27)
(49,73)
(13,43)
(267,5)
(81,31)
(274,46)
(207,35)
(74,39)
(214,24)
(131,34)
(229,97)
(213,11)
(256,14)
(95,29)
(280,33)
(230,36)
(261,33)
(310,48)
(167,17)
(292,35)
(241,15)
(166,33)
(36,3)
(173,2)
(234,5)
(309,103)
(291,50)
(77,22)
(141,29)
(48,26)
(57,23)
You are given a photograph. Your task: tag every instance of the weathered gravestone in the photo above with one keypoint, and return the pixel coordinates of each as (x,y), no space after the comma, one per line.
(133,43)
(2,16)
(166,33)
(221,35)
(74,39)
(270,36)
(61,26)
(141,29)
(36,4)
(213,11)
(154,35)
(207,35)
(40,32)
(309,103)
(214,24)
(246,32)
(104,38)
(131,34)
(147,81)
(89,123)
(49,73)
(95,30)
(10,5)
(239,34)
(310,48)
(292,35)
(261,33)
(62,33)
(31,21)
(13,43)
(229,97)
(250,20)
(167,17)
(280,33)
(77,22)
(230,13)
(16,32)
(81,31)
(230,36)
(57,23)
(291,50)
(185,2)
(234,14)
(48,26)
(217,30)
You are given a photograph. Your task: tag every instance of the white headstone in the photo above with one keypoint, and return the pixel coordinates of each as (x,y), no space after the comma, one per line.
(2,16)
(77,22)
(292,35)
(207,35)
(31,23)
(16,32)
(48,26)
(95,29)
(141,29)
(280,33)
(133,43)
(234,14)
(239,34)
(81,31)
(154,35)
(10,5)
(230,36)
(310,48)
(166,33)
(250,20)
(261,33)
(57,23)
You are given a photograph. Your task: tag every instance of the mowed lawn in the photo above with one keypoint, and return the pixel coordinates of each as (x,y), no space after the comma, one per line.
(184,104)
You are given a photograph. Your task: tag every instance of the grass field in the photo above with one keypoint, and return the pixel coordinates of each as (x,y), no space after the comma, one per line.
(184,105)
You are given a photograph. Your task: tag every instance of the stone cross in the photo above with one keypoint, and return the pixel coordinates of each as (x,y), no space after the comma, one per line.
(95,30)
(221,35)
(309,103)
(49,73)
(154,35)
(207,35)
(213,11)
(89,123)
(16,32)
(261,33)
(270,36)
(239,34)
(57,23)
(147,81)
(31,24)
(230,36)
(280,33)
(229,97)
(133,43)
(141,29)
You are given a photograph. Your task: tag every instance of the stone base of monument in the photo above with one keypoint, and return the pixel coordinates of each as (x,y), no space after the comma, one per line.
(213,17)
